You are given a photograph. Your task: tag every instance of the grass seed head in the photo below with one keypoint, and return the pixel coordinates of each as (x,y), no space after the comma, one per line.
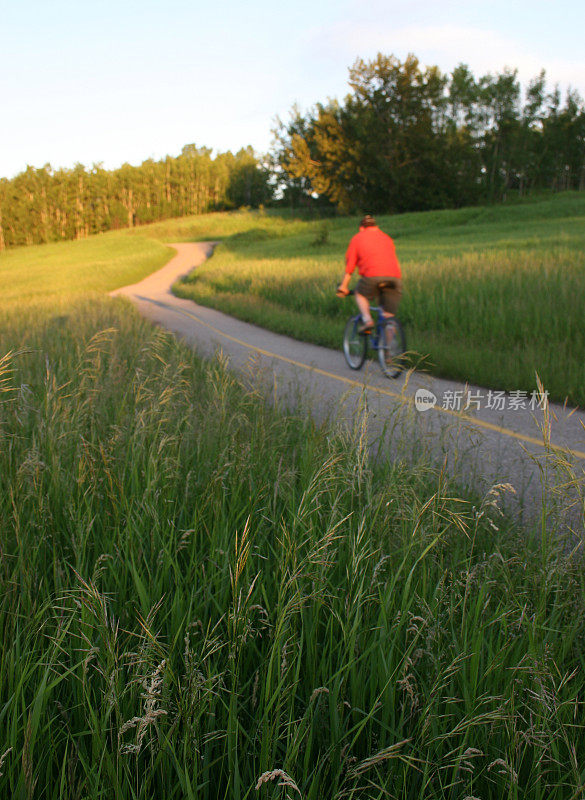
(505,769)
(3,758)
(281,776)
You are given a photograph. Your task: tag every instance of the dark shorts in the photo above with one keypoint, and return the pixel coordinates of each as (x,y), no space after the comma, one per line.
(387,290)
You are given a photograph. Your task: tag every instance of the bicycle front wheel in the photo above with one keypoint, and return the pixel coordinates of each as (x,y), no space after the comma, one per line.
(354,345)
(391,348)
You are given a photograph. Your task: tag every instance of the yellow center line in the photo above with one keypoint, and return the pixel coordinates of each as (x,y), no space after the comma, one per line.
(457,414)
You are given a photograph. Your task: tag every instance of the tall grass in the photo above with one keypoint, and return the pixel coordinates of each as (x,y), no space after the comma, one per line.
(202,596)
(492,295)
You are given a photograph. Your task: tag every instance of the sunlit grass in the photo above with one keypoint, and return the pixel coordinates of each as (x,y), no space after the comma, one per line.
(492,296)
(205,227)
(100,263)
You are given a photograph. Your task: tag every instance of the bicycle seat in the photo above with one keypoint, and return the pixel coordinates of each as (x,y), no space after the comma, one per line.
(386,285)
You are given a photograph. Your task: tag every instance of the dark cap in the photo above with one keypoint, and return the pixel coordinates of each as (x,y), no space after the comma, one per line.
(367,222)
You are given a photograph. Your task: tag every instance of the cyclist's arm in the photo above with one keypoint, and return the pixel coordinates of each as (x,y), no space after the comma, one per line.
(343,288)
(350,265)
(351,257)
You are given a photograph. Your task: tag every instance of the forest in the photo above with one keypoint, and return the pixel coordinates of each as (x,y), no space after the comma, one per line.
(47,205)
(406,138)
(409,138)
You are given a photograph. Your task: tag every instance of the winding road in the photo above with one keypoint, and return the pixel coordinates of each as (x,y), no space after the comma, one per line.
(480,438)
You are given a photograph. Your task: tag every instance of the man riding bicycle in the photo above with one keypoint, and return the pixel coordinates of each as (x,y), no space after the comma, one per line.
(373,252)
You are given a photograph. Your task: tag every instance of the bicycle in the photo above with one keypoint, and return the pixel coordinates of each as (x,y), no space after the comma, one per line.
(387,337)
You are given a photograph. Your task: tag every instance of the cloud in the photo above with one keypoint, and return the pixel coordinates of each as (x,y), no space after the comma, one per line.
(448,45)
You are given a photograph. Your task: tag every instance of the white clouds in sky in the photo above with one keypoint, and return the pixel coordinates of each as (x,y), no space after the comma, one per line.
(138,78)
(448,45)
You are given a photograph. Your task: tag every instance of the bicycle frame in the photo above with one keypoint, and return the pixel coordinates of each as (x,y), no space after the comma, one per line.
(381,320)
(386,338)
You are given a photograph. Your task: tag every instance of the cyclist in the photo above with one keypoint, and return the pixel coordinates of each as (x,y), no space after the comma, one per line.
(373,252)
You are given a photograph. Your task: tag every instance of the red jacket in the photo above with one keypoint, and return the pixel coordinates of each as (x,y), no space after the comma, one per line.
(372,251)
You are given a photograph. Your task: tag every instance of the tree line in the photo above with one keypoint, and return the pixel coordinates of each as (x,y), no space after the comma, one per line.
(412,138)
(47,205)
(405,138)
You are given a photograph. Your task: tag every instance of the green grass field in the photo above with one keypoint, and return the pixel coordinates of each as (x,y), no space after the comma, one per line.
(67,270)
(201,595)
(492,295)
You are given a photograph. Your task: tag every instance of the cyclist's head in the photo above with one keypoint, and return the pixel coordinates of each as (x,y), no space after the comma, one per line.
(367,222)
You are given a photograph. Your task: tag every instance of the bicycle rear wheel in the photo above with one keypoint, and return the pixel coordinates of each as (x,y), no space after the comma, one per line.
(354,345)
(391,348)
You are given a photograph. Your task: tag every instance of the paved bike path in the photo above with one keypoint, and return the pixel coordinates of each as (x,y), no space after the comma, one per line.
(479,447)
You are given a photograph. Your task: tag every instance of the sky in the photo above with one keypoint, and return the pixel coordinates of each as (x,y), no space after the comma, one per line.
(121,81)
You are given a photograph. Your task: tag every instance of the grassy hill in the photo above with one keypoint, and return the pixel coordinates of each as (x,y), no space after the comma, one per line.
(492,295)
